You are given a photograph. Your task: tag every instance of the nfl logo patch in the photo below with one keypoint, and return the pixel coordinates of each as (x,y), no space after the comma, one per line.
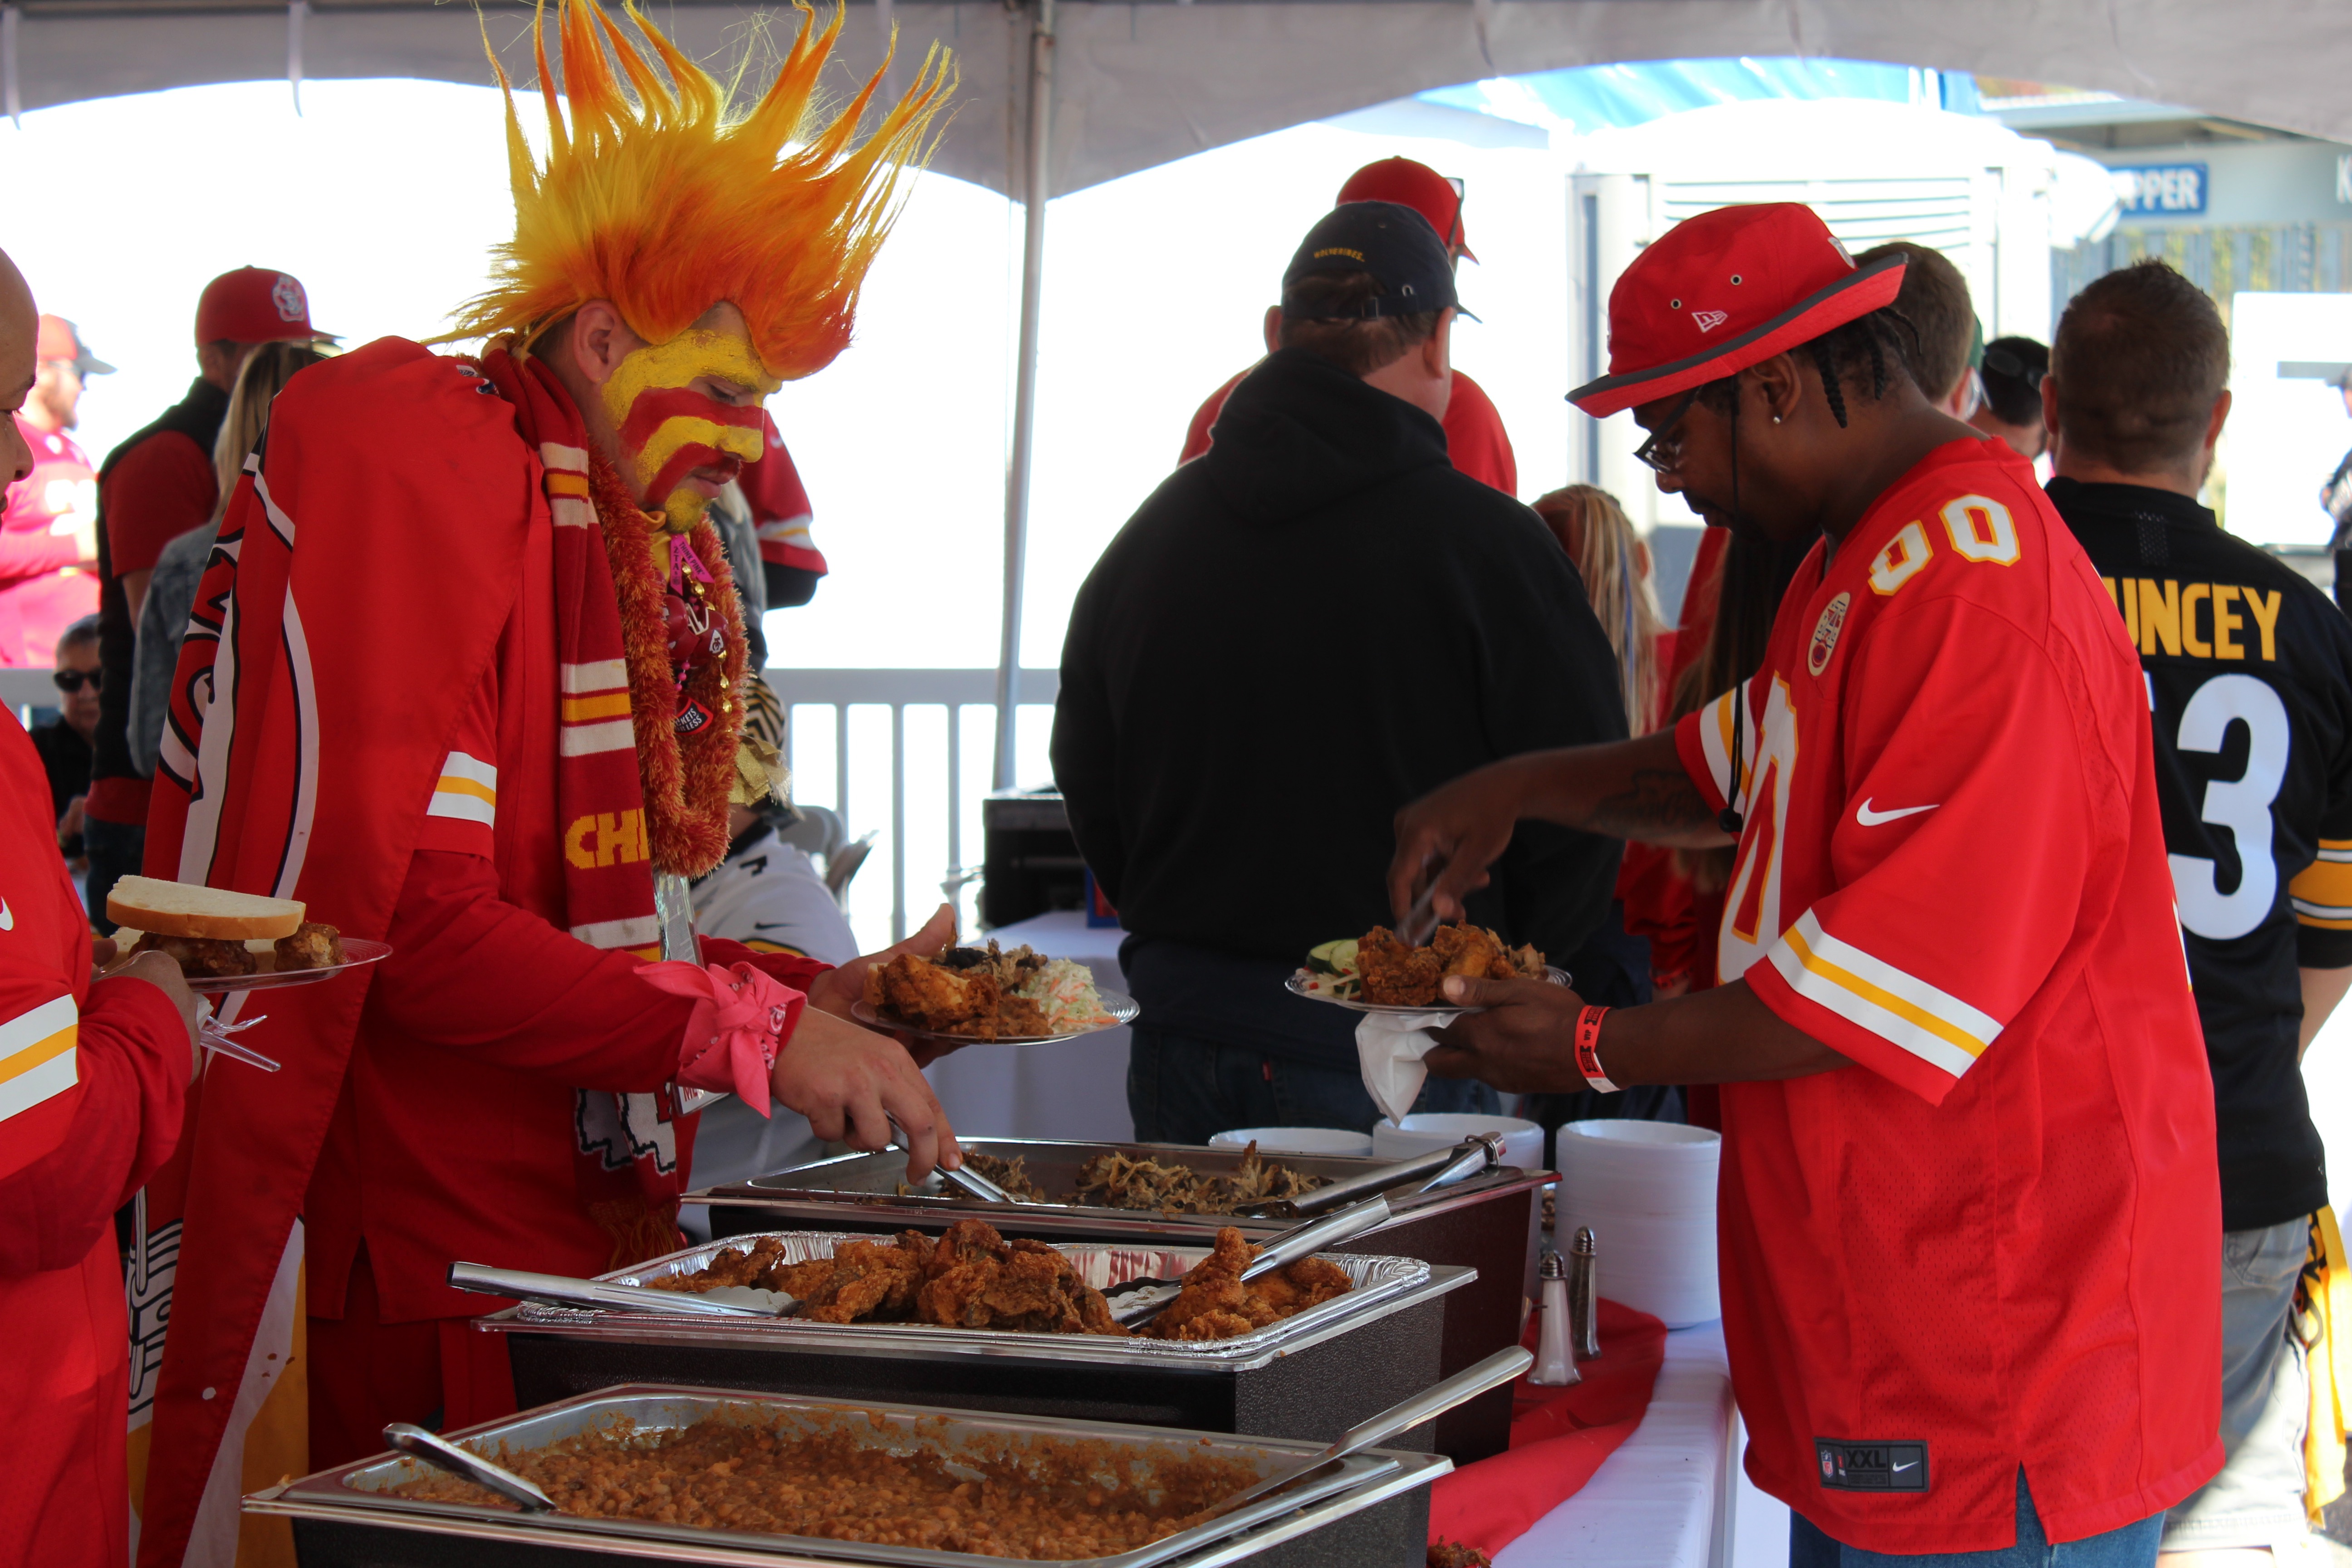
(1825,632)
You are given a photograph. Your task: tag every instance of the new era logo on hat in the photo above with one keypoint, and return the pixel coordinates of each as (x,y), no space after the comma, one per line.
(256,305)
(1726,290)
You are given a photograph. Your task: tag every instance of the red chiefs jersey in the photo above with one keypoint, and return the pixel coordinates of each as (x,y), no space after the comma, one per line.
(1988,1242)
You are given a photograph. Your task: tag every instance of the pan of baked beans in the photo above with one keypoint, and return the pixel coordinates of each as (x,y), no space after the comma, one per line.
(763,1479)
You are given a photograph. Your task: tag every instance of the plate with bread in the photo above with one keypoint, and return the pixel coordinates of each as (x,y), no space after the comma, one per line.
(225,941)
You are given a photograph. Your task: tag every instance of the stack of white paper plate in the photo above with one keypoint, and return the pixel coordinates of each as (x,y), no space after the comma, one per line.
(1647,1189)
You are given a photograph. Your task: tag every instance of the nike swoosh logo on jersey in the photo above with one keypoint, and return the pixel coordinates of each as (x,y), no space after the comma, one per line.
(7,916)
(1912,1463)
(1869,818)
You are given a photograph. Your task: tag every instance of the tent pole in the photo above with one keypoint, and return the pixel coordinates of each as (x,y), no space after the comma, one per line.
(1025,392)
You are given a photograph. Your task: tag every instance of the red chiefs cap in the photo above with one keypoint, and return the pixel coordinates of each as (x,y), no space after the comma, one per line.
(61,340)
(256,305)
(1726,290)
(1411,184)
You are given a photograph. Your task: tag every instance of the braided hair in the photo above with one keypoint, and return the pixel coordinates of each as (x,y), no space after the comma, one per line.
(1842,352)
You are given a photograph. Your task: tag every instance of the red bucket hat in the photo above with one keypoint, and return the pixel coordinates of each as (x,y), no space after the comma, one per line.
(1726,290)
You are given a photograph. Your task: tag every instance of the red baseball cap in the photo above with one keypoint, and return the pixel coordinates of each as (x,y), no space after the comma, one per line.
(1726,290)
(1411,184)
(61,340)
(256,305)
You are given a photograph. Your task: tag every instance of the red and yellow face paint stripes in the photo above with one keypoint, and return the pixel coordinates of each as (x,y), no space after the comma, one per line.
(668,430)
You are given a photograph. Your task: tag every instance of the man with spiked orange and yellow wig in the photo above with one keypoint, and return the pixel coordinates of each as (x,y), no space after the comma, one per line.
(465,676)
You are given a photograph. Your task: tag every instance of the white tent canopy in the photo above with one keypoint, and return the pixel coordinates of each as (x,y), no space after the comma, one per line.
(1129,86)
(1141,84)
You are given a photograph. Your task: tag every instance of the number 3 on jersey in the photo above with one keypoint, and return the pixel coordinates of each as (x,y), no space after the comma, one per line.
(2241,805)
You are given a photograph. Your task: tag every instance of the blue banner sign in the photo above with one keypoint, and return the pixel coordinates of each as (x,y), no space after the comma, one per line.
(2172,189)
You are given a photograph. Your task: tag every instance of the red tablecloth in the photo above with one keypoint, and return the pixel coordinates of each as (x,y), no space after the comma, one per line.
(1558,1437)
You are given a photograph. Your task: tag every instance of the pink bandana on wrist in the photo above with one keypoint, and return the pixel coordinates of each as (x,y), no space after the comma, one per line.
(740,1018)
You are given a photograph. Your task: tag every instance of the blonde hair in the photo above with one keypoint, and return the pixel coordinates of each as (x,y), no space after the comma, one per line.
(667,198)
(263,376)
(1600,537)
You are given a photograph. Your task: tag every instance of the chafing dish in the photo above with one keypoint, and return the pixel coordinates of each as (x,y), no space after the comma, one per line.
(1374,1513)
(1488,1223)
(1309,1377)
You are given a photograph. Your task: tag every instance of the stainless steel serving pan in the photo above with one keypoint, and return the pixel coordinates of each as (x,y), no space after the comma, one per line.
(863,1190)
(1383,1284)
(361,1493)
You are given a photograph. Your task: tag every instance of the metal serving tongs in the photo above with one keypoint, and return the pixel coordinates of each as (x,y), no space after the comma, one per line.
(1430,1402)
(566,1291)
(1473,1156)
(1138,1302)
(443,1455)
(971,1182)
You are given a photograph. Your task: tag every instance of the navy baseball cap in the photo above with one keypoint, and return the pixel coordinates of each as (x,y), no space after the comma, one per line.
(1391,241)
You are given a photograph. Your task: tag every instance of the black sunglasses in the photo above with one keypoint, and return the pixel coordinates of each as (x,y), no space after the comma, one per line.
(1657,452)
(71,679)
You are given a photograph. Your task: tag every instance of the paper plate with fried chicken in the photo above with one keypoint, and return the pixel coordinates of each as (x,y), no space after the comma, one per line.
(1015,999)
(1378,973)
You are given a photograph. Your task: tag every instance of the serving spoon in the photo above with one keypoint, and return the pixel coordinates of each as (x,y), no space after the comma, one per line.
(443,1455)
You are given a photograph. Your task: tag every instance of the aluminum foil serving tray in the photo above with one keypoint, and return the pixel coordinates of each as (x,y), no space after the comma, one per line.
(861,1192)
(1383,1284)
(347,1515)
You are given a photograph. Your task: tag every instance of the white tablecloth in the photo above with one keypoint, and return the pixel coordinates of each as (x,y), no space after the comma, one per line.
(1665,1498)
(1074,1090)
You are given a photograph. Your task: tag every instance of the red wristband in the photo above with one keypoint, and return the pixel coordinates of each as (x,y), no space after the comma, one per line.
(1587,1048)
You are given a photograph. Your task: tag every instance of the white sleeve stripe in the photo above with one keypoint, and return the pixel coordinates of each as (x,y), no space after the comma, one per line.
(786,527)
(463,807)
(1855,1009)
(600,675)
(635,932)
(30,1027)
(1932,1025)
(460,766)
(2341,857)
(43,1079)
(2321,911)
(587,739)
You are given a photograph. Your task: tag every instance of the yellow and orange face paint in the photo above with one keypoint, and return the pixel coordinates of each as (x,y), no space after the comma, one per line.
(669,429)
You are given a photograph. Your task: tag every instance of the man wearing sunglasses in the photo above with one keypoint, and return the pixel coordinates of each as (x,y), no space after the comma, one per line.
(64,742)
(1968,1123)
(1475,441)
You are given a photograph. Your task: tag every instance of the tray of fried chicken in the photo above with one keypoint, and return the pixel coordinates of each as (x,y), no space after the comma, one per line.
(966,1290)
(1019,998)
(1380,972)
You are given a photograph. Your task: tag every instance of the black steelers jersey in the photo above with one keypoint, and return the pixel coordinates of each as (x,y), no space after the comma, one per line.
(2250,687)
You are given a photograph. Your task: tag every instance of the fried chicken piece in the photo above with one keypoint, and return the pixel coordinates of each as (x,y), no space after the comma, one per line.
(1214,1304)
(1395,975)
(1471,950)
(200,957)
(916,990)
(312,945)
(733,1265)
(1018,1015)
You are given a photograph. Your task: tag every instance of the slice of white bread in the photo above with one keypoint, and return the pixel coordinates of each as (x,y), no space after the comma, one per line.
(178,909)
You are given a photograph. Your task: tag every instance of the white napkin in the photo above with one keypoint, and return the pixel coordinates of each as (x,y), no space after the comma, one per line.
(1389,1049)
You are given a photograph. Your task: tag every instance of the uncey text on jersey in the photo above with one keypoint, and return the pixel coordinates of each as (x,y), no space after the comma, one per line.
(2204,620)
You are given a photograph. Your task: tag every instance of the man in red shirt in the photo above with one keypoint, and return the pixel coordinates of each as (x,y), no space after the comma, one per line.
(1474,438)
(93,1075)
(1968,1206)
(466,675)
(49,527)
(152,488)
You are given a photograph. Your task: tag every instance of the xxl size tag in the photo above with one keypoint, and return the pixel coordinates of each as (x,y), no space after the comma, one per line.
(1863,1467)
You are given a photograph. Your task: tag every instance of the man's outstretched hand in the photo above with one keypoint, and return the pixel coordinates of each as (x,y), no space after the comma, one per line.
(1449,837)
(852,1084)
(836,990)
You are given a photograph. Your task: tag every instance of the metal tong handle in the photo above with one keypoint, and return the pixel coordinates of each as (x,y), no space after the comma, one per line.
(1306,1239)
(1473,1156)
(441,1454)
(971,1182)
(567,1291)
(1436,1400)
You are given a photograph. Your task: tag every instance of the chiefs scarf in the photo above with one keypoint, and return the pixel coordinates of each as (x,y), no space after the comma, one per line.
(309,725)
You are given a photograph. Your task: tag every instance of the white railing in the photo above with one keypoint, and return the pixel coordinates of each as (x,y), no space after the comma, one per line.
(850,732)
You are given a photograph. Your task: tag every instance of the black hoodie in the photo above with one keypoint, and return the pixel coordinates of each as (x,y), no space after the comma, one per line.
(1311,625)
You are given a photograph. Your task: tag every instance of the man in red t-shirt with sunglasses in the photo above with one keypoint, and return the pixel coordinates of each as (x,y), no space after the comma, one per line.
(1474,438)
(1969,1207)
